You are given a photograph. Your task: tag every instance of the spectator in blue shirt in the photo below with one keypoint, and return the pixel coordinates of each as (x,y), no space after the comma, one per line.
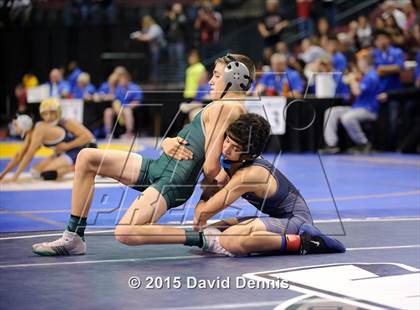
(365,108)
(83,89)
(128,96)
(389,62)
(281,81)
(324,65)
(74,72)
(59,88)
(339,61)
(106,92)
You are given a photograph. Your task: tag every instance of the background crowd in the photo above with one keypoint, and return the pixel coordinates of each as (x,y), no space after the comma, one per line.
(188,36)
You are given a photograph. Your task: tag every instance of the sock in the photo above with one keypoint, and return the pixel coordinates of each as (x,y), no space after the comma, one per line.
(78,225)
(290,243)
(193,238)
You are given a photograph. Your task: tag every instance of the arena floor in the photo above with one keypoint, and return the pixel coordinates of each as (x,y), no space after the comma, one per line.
(370,203)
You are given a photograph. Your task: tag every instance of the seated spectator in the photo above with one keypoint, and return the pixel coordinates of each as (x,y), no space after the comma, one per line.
(310,51)
(325,65)
(83,89)
(128,96)
(106,91)
(339,61)
(118,70)
(364,108)
(192,76)
(281,81)
(59,88)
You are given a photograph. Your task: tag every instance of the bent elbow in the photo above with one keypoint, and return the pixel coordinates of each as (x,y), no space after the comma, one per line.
(211,171)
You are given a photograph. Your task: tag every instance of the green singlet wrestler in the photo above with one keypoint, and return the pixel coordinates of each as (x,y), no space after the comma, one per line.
(166,182)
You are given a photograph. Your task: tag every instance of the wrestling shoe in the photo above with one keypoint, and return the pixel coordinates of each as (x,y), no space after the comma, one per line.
(314,242)
(211,244)
(69,244)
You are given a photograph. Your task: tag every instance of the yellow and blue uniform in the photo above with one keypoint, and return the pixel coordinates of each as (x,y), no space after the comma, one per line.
(67,136)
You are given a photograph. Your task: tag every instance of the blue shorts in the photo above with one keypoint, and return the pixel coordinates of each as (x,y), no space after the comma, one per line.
(290,224)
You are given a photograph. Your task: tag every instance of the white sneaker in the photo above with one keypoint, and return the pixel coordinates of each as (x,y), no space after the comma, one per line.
(211,236)
(69,244)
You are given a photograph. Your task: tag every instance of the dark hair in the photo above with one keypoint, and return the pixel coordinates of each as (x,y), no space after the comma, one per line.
(379,32)
(251,132)
(194,52)
(241,58)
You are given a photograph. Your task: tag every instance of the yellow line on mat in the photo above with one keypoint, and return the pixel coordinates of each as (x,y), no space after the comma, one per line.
(8,150)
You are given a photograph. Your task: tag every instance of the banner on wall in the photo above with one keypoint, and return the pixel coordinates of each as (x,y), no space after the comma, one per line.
(272,109)
(38,93)
(72,109)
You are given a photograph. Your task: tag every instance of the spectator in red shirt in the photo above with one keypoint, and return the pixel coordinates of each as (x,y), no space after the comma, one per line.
(208,24)
(305,21)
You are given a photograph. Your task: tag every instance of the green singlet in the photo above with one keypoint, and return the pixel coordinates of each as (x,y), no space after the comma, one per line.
(176,179)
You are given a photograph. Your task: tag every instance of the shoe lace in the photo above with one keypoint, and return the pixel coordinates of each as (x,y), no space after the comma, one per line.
(60,241)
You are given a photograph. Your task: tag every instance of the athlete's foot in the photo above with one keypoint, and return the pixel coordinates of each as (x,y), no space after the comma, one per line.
(211,236)
(69,244)
(314,242)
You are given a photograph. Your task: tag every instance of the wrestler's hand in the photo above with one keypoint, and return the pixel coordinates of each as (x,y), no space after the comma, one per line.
(199,221)
(175,147)
(61,147)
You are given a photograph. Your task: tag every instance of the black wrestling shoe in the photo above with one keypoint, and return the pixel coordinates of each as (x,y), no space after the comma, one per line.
(312,241)
(311,245)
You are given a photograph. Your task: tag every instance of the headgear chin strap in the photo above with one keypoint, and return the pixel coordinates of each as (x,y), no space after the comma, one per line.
(236,76)
(227,164)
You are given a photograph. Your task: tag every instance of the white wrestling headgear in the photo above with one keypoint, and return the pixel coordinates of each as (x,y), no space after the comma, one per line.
(25,123)
(236,76)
